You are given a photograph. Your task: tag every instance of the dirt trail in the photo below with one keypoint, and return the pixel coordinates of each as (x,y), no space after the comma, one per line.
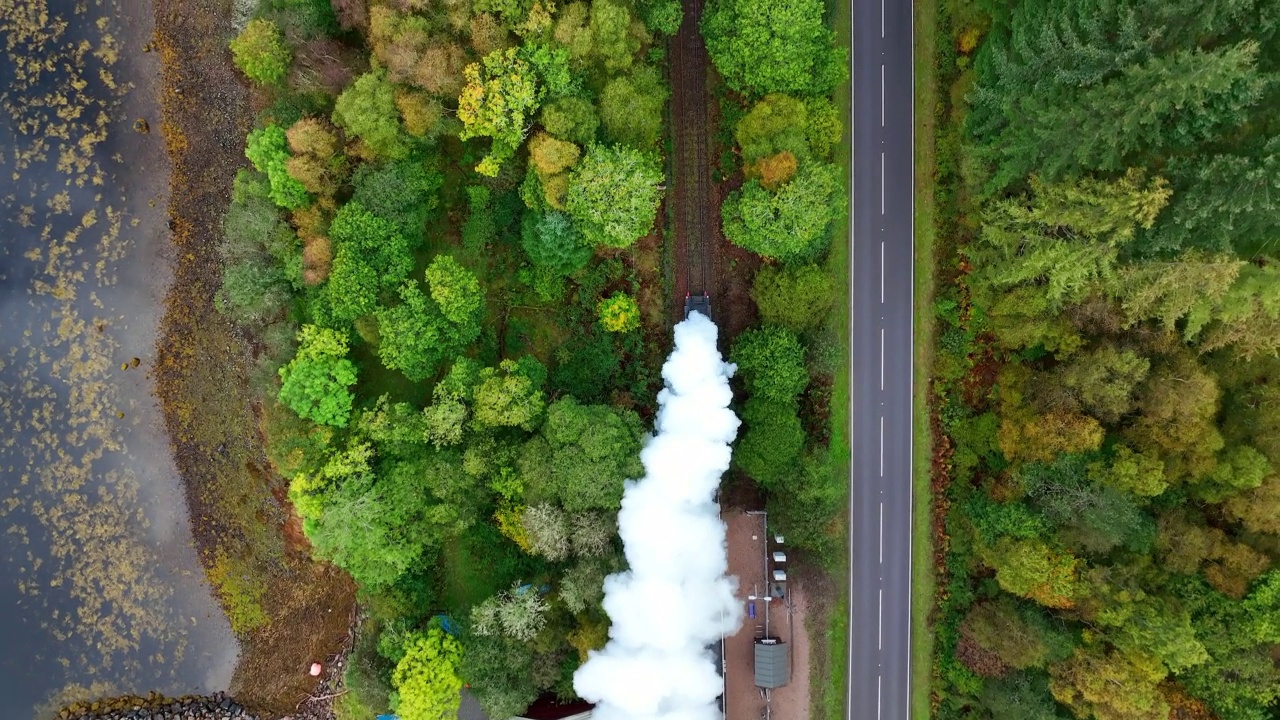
(695,216)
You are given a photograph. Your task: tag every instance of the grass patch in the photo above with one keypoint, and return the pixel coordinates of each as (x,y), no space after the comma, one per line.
(922,578)
(836,637)
(829,648)
(478,564)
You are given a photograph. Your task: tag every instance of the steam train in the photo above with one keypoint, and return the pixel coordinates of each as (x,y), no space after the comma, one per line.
(697,303)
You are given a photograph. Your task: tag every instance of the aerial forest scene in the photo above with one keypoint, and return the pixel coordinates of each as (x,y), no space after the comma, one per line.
(640,359)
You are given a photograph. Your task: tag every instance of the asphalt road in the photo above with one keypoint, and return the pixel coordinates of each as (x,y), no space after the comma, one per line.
(880,499)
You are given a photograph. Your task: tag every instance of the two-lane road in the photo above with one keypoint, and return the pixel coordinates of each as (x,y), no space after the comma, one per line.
(880,496)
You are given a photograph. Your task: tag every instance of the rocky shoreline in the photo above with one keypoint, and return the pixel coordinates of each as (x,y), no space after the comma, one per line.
(156,707)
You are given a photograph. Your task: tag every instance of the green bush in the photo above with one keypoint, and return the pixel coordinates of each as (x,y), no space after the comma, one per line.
(426,678)
(619,313)
(551,241)
(798,297)
(261,53)
(770,360)
(772,443)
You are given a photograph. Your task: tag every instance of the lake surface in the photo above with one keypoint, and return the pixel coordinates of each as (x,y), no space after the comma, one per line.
(100,589)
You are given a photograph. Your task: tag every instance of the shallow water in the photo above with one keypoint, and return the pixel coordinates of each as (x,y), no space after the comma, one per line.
(100,589)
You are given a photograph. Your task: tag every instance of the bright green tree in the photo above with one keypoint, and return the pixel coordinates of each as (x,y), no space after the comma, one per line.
(313,493)
(420,334)
(791,224)
(426,678)
(1064,239)
(614,195)
(764,46)
(261,53)
(456,290)
(370,257)
(315,384)
(377,529)
(268,150)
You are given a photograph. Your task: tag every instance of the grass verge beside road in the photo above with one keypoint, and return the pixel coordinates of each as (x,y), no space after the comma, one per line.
(922,581)
(830,646)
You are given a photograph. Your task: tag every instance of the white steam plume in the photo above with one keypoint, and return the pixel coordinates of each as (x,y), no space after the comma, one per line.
(675,600)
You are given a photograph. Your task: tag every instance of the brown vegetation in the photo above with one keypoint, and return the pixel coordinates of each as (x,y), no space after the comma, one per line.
(202,364)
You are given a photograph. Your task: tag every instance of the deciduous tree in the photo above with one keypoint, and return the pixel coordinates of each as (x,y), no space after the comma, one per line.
(773,46)
(267,149)
(315,384)
(261,53)
(499,97)
(1109,685)
(614,194)
(789,225)
(771,361)
(367,109)
(582,455)
(798,296)
(510,395)
(769,449)
(631,108)
(426,678)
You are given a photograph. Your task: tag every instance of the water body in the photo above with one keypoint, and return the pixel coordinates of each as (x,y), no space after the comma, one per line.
(100,589)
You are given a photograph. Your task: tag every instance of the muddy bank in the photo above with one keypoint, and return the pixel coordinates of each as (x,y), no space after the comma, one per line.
(289,610)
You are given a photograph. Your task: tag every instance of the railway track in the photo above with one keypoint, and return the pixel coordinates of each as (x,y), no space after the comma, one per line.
(692,182)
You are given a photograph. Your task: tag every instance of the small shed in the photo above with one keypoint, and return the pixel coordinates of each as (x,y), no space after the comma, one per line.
(773,663)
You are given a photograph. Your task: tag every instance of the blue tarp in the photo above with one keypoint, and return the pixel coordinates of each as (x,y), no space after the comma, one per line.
(447,624)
